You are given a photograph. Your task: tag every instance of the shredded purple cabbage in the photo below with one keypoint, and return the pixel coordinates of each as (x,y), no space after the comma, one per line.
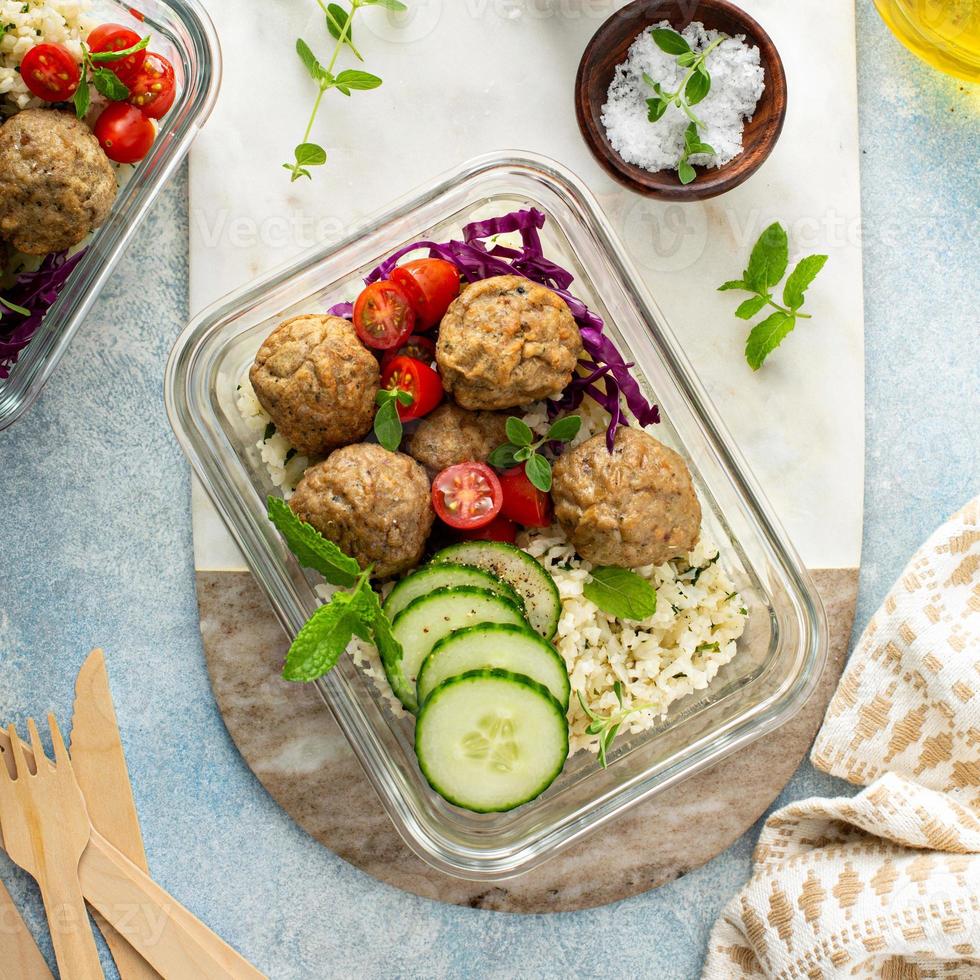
(476,261)
(35,292)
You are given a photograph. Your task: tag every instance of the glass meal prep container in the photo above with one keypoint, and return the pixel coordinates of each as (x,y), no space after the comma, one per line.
(182,32)
(780,656)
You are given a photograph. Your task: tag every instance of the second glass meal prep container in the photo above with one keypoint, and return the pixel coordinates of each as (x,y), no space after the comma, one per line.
(182,32)
(780,656)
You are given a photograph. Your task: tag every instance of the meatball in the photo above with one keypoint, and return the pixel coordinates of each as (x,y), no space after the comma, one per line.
(373,504)
(56,184)
(507,341)
(317,381)
(453,435)
(635,506)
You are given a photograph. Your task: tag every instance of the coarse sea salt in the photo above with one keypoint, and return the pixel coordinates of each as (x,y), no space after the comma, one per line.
(737,84)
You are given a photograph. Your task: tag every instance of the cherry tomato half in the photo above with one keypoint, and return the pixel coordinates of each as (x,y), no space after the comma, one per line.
(50,72)
(419,380)
(467,495)
(523,501)
(421,348)
(431,285)
(499,529)
(153,88)
(383,317)
(124,133)
(115,37)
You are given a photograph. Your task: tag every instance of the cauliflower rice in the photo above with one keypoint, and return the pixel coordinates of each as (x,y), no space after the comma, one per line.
(677,651)
(23,24)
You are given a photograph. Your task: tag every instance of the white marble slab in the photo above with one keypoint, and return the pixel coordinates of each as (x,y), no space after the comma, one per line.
(464,77)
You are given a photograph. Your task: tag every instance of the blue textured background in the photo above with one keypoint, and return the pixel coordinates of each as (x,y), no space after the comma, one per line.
(96,547)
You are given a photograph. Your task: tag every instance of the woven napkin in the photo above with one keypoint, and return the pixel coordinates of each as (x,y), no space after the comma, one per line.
(887,883)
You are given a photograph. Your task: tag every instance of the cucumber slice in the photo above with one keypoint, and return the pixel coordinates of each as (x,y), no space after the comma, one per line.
(523,573)
(431,577)
(498,646)
(426,620)
(490,740)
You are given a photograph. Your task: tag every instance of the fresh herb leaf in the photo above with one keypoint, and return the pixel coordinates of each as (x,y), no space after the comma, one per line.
(270,431)
(388,427)
(523,454)
(670,41)
(310,155)
(82,97)
(395,5)
(338,23)
(519,432)
(800,279)
(503,457)
(312,549)
(357,80)
(769,259)
(767,336)
(618,691)
(732,284)
(564,430)
(317,72)
(538,471)
(708,648)
(686,172)
(698,86)
(100,57)
(751,306)
(621,593)
(13,307)
(107,83)
(657,107)
(322,639)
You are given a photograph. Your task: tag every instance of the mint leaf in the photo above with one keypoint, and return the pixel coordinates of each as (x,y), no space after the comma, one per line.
(621,593)
(311,548)
(564,430)
(387,424)
(769,259)
(750,307)
(310,155)
(354,79)
(323,638)
(800,278)
(102,56)
(107,83)
(519,432)
(732,284)
(82,97)
(670,41)
(538,471)
(766,337)
(384,639)
(698,86)
(502,458)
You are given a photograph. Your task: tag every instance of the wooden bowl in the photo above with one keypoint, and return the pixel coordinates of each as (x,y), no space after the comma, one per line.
(608,48)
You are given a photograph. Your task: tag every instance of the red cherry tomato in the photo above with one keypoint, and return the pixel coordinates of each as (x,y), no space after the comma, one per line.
(153,88)
(419,380)
(467,495)
(523,501)
(383,317)
(115,37)
(421,348)
(50,72)
(431,285)
(499,529)
(124,133)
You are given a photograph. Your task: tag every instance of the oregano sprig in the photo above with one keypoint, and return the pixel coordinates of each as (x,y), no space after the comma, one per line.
(767,266)
(522,447)
(388,427)
(694,88)
(339,22)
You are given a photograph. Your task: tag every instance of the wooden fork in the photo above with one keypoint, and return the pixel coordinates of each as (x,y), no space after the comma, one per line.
(46,829)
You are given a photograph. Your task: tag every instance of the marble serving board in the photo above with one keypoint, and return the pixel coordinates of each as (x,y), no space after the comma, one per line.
(466,77)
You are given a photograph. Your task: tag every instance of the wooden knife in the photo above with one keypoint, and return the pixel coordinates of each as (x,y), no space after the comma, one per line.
(20,959)
(100,767)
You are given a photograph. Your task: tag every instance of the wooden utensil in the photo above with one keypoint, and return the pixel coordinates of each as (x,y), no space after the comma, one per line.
(100,768)
(46,830)
(20,959)
(608,48)
(170,938)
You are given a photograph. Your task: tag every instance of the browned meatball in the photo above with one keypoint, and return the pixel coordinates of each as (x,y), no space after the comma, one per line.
(373,504)
(453,435)
(635,506)
(317,381)
(507,341)
(56,184)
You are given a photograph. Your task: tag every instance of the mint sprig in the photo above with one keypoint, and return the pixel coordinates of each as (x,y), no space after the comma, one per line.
(388,428)
(522,448)
(607,727)
(319,644)
(106,81)
(339,22)
(621,593)
(767,266)
(694,88)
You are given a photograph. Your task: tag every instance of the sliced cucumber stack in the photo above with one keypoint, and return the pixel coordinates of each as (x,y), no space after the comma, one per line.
(491,740)
(426,620)
(431,577)
(501,646)
(518,569)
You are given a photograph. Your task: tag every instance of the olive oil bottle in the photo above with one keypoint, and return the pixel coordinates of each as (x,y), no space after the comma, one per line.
(945,33)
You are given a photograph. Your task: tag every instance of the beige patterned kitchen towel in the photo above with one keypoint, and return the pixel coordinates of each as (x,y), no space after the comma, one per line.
(887,883)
